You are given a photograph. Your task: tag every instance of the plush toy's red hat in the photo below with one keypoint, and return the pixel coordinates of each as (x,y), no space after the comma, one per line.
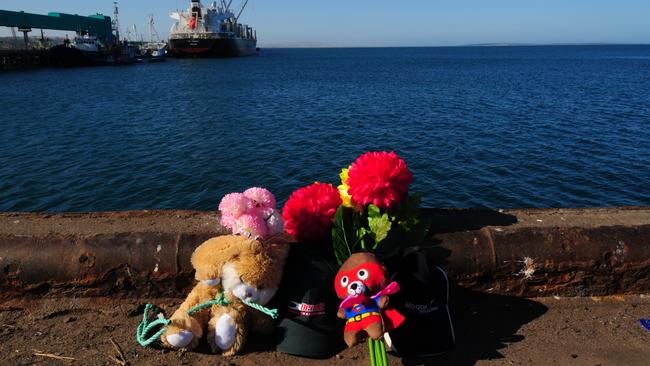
(361,275)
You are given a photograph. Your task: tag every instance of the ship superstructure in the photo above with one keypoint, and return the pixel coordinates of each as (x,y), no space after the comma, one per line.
(212,31)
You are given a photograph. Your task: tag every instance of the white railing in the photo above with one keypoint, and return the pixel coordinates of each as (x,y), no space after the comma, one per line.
(210,35)
(198,35)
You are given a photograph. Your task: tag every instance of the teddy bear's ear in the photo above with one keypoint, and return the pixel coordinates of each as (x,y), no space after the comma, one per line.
(209,257)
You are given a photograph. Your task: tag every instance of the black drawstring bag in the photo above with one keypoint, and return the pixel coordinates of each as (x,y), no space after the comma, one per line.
(423,300)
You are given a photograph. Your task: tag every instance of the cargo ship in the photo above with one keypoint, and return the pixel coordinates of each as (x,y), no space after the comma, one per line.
(212,31)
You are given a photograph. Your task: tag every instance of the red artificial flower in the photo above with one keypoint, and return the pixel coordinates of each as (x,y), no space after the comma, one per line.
(309,212)
(380,178)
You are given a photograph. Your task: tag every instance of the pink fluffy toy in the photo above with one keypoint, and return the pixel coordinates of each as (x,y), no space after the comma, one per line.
(251,214)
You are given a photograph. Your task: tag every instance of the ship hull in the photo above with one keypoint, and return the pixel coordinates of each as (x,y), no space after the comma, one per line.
(214,47)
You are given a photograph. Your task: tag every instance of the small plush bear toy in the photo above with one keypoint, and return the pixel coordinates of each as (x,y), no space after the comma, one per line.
(241,271)
(361,284)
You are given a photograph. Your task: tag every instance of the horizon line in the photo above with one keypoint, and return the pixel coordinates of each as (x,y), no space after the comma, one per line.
(495,44)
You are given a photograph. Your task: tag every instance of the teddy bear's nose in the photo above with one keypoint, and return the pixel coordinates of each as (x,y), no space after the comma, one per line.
(354,286)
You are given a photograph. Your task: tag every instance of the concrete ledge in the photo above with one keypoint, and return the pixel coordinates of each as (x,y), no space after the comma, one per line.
(574,252)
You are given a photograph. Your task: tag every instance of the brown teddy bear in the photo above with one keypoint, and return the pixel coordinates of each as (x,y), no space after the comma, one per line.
(243,271)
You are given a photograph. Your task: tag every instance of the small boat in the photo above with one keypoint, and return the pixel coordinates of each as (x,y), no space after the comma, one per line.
(158,54)
(88,50)
(91,50)
(94,53)
(155,50)
(86,43)
(120,54)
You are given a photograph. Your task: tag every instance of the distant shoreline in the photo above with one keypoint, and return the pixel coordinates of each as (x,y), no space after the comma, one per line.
(487,45)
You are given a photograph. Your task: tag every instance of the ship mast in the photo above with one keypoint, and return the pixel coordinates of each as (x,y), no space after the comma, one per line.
(241,10)
(152,30)
(116,23)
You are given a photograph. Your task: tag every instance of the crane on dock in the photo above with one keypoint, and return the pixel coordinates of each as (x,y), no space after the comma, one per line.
(115,24)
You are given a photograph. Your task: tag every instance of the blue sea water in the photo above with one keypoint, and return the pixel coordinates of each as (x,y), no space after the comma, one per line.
(478,126)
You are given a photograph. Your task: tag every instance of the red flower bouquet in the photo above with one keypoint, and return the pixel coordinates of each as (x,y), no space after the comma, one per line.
(378,214)
(371,210)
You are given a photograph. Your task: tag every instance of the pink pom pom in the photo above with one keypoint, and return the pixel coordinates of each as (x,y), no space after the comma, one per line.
(274,221)
(228,221)
(262,197)
(235,204)
(251,226)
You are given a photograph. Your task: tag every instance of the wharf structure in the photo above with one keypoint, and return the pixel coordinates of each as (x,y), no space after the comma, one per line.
(21,59)
(98,26)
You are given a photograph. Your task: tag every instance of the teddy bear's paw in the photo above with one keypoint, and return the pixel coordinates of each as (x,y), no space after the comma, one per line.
(225,332)
(180,340)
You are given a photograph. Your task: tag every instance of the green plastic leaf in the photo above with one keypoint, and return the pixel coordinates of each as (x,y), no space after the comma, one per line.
(410,227)
(373,211)
(379,227)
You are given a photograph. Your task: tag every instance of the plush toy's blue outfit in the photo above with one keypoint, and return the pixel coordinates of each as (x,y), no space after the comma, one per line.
(368,306)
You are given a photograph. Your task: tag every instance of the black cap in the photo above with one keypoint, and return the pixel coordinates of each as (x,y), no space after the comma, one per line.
(423,299)
(308,324)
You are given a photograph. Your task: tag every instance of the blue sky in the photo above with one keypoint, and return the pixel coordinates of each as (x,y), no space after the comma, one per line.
(399,23)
